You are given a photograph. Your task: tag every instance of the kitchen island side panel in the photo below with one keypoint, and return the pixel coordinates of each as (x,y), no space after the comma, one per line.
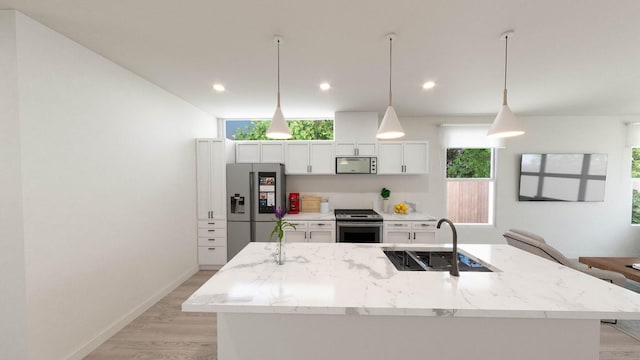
(316,337)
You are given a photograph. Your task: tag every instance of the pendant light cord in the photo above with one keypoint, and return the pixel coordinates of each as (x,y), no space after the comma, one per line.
(278,72)
(506,50)
(390,59)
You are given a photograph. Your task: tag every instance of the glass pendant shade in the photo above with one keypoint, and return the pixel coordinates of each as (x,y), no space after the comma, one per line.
(278,128)
(390,127)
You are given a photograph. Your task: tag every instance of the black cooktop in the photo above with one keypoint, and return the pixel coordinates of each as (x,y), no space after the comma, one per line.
(357,214)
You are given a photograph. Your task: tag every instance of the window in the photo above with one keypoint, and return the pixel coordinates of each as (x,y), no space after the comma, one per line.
(302,129)
(470,185)
(635,189)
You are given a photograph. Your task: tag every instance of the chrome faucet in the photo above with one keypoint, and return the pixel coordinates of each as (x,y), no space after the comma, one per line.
(454,259)
(412,206)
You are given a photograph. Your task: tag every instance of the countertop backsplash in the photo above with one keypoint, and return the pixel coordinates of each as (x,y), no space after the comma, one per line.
(338,200)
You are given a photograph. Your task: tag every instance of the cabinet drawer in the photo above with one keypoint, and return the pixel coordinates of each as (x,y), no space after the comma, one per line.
(212,232)
(213,223)
(212,241)
(300,226)
(424,226)
(320,225)
(396,225)
(212,255)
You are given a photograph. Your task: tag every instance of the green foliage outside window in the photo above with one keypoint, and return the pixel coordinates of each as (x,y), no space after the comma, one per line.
(635,209)
(469,163)
(300,130)
(635,163)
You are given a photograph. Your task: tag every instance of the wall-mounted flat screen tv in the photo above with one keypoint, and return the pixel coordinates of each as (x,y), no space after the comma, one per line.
(562,177)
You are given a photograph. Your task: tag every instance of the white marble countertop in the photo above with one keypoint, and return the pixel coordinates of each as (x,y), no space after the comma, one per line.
(355,279)
(310,216)
(304,216)
(412,216)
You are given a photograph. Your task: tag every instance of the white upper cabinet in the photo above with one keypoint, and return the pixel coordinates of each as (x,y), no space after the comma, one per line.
(321,158)
(272,152)
(355,133)
(309,158)
(210,177)
(416,155)
(356,149)
(403,157)
(247,151)
(260,152)
(297,157)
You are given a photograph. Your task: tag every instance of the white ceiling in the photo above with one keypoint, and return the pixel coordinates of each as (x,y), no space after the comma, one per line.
(567,57)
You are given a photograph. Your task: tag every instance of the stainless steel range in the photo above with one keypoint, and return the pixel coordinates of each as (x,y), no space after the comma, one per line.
(358,226)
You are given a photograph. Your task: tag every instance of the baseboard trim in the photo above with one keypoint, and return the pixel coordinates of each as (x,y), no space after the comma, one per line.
(119,324)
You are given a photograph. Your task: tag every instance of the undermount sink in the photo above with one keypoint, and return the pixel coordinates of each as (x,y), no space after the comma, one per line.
(418,260)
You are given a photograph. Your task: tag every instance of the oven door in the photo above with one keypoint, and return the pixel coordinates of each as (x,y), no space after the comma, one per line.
(359,231)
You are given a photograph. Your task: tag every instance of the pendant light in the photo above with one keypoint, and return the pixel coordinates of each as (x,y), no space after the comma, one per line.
(390,127)
(505,124)
(278,128)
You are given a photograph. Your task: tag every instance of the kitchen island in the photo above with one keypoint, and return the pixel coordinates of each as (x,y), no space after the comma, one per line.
(347,301)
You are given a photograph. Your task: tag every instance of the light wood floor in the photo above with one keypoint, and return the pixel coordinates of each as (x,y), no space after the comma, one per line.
(165,332)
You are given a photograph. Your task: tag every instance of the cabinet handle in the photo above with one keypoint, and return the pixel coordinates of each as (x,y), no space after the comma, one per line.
(414,236)
(409,235)
(320,224)
(212,239)
(310,234)
(397,224)
(211,230)
(305,235)
(212,223)
(211,248)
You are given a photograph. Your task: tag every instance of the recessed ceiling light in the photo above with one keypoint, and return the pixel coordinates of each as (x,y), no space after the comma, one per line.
(325,86)
(429,85)
(218,87)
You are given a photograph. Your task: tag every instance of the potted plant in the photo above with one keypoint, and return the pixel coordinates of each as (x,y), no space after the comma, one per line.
(385,193)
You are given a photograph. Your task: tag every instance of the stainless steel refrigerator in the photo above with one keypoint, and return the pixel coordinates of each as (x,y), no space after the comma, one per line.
(254,191)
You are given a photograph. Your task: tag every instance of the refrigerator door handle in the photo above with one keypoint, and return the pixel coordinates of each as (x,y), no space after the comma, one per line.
(252,197)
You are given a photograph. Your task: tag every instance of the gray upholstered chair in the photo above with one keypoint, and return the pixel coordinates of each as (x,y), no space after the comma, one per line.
(535,244)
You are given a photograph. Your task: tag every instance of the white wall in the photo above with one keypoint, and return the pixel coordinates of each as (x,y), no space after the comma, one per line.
(108,180)
(13,326)
(576,229)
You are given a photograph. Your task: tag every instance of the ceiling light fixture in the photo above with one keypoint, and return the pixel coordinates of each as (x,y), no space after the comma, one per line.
(505,124)
(325,86)
(218,87)
(429,85)
(390,127)
(278,128)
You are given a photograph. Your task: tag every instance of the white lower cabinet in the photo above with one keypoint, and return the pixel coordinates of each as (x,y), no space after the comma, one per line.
(212,242)
(424,232)
(418,232)
(311,231)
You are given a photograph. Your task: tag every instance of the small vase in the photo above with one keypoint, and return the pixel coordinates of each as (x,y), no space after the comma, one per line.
(280,254)
(385,206)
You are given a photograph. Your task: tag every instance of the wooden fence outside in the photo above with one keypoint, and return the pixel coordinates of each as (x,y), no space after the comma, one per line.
(468,201)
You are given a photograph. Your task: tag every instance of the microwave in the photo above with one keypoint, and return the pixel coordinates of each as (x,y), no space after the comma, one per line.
(356,165)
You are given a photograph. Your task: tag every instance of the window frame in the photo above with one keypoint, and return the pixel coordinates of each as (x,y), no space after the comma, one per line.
(492,188)
(225,120)
(633,180)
